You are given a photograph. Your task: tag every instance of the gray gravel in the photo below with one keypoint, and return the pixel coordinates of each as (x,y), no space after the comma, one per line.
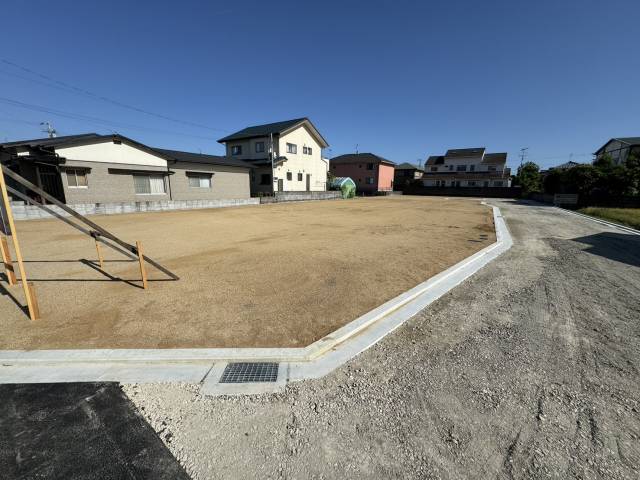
(530,369)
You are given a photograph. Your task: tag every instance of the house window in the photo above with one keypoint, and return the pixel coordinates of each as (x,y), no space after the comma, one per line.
(199,180)
(149,184)
(77,178)
(370,180)
(461,168)
(289,176)
(369,166)
(307,150)
(434,169)
(472,168)
(236,150)
(259,147)
(299,177)
(292,148)
(265,179)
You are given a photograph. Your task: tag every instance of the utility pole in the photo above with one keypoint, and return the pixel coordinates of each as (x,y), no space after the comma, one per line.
(356,148)
(50,131)
(523,154)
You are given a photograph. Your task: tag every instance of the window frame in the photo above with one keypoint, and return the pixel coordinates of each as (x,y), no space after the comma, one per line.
(75,171)
(300,177)
(261,150)
(236,150)
(292,148)
(200,176)
(289,176)
(148,177)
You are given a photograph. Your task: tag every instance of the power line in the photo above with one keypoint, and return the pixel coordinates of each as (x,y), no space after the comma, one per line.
(81,91)
(89,119)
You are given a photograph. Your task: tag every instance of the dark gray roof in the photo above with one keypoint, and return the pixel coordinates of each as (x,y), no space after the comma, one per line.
(50,142)
(630,140)
(565,166)
(465,152)
(407,166)
(190,157)
(435,160)
(360,158)
(495,158)
(272,128)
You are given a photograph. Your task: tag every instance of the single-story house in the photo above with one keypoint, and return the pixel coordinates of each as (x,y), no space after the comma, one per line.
(287,156)
(92,168)
(370,172)
(405,173)
(619,149)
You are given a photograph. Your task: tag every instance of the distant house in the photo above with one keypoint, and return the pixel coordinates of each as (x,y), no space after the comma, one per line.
(92,168)
(467,167)
(371,173)
(287,156)
(619,149)
(405,173)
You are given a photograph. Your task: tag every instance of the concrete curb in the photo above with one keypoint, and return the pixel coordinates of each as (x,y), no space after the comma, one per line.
(313,361)
(624,228)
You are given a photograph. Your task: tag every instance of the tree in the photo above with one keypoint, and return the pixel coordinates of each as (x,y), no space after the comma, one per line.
(528,177)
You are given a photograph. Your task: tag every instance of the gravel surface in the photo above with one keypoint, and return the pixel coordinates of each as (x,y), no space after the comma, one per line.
(530,369)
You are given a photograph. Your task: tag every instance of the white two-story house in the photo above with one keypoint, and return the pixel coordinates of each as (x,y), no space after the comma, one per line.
(467,167)
(287,156)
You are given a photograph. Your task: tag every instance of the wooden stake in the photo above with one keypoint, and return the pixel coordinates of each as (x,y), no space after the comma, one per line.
(6,259)
(16,245)
(34,300)
(143,271)
(100,259)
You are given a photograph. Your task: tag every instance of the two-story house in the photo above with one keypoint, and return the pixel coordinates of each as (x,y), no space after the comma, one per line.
(406,173)
(287,156)
(467,167)
(370,172)
(619,149)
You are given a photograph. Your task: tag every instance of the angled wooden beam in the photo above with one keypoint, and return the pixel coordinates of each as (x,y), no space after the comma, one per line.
(16,247)
(26,183)
(143,271)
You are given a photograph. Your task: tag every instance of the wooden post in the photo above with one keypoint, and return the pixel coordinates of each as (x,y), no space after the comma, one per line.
(6,259)
(34,300)
(143,271)
(100,259)
(16,246)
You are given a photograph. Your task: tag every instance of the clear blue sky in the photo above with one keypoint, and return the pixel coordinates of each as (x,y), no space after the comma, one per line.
(401,79)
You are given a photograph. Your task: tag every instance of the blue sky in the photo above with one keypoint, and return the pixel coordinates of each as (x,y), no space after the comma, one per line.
(401,79)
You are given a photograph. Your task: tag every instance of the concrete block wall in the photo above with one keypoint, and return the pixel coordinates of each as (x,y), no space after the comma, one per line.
(21,211)
(301,196)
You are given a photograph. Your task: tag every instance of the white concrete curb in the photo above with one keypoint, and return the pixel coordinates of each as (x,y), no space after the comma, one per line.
(624,228)
(312,361)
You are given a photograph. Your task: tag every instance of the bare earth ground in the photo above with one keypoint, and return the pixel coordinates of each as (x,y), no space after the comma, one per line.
(529,369)
(279,275)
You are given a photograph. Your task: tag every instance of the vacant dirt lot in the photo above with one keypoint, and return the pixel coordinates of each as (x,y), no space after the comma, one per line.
(276,275)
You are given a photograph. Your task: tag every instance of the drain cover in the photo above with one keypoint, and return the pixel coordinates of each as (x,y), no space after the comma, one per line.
(250,372)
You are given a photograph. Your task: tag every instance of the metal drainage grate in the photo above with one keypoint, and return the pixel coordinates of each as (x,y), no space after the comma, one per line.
(250,372)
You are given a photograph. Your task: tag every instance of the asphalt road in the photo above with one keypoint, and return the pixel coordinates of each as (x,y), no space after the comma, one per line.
(530,369)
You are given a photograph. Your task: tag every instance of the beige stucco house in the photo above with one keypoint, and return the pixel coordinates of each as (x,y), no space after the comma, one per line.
(287,156)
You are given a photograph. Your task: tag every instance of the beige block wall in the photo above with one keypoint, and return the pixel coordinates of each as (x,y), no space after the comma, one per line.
(226,182)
